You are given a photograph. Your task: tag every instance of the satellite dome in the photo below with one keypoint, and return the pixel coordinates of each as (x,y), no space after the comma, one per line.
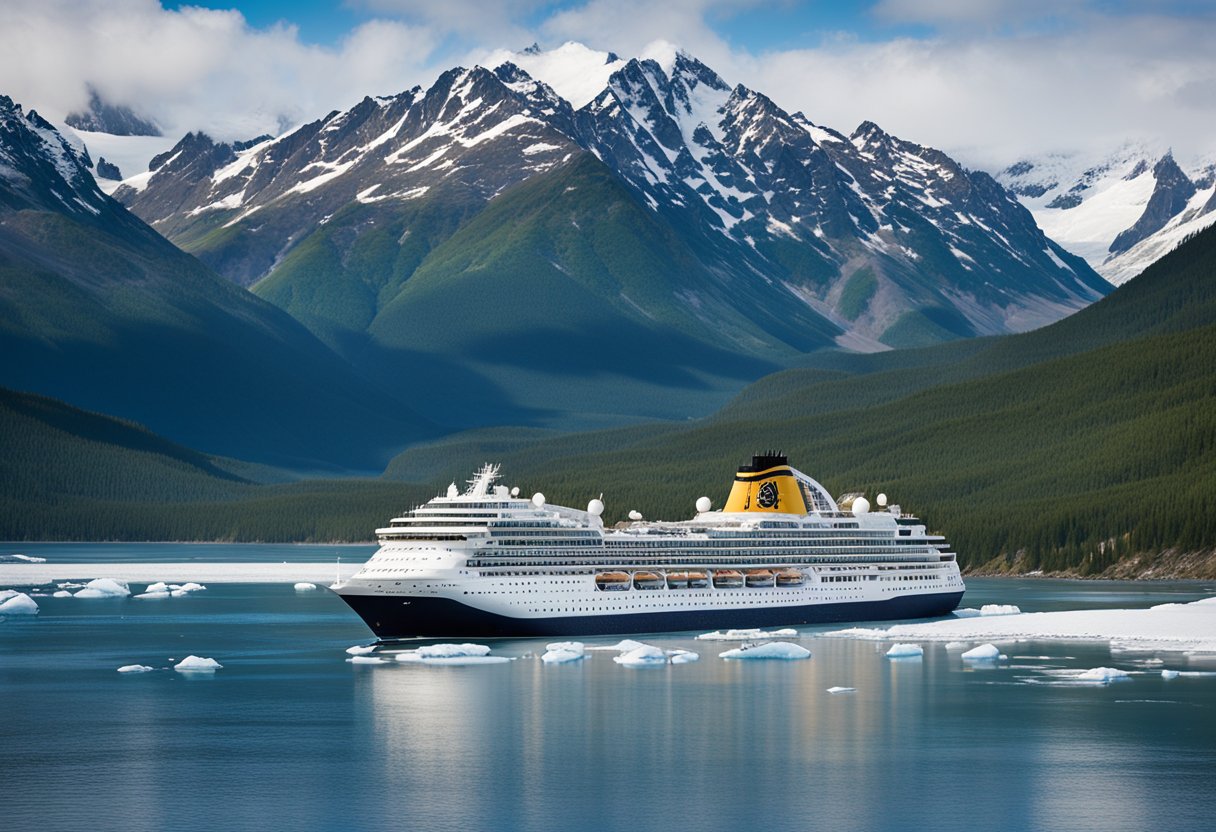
(860,506)
(882,500)
(635,515)
(538,499)
(704,504)
(595,507)
(515,491)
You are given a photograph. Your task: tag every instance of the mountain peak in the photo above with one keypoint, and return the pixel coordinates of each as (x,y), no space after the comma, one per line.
(103,117)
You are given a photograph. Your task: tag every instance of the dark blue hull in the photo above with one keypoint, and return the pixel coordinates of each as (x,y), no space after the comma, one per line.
(397,617)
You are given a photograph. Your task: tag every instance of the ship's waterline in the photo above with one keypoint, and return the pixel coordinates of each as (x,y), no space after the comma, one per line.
(486,562)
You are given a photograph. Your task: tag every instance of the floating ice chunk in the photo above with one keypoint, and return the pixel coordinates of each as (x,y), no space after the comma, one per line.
(19,558)
(164,593)
(769,650)
(1000,609)
(841,690)
(967,612)
(104,588)
(361,649)
(366,660)
(905,651)
(159,586)
(413,657)
(746,635)
(983,653)
(63,593)
(197,664)
(561,652)
(70,585)
(134,668)
(623,646)
(191,586)
(1104,674)
(19,604)
(1169,674)
(305,586)
(682,656)
(645,655)
(5,594)
(447,651)
(956,645)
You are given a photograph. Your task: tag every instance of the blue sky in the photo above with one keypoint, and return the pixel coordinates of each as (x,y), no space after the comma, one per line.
(987,80)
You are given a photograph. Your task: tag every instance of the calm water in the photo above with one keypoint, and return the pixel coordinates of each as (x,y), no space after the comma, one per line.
(288,735)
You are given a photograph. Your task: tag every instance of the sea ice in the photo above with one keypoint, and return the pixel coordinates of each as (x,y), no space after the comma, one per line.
(164,593)
(988,609)
(957,645)
(366,660)
(134,668)
(104,588)
(18,604)
(746,635)
(413,657)
(1169,674)
(63,593)
(197,664)
(361,649)
(1104,674)
(22,558)
(447,651)
(983,653)
(561,652)
(769,650)
(190,586)
(305,586)
(905,651)
(623,646)
(645,655)
(159,586)
(841,690)
(682,656)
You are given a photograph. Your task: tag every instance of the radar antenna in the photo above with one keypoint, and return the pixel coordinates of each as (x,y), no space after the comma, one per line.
(479,486)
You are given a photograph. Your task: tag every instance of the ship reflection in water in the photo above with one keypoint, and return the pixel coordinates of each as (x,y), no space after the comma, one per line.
(729,745)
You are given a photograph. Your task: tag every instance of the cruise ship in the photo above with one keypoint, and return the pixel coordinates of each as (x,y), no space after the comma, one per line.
(486,562)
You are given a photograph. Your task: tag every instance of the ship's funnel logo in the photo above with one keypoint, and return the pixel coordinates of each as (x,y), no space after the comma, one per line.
(767,496)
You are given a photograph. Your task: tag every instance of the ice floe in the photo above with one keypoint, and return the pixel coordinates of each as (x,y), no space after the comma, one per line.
(988,609)
(623,646)
(746,635)
(645,655)
(451,654)
(17,603)
(361,649)
(134,668)
(62,593)
(839,689)
(157,594)
(682,656)
(104,588)
(366,660)
(1169,674)
(1104,674)
(563,652)
(768,650)
(305,586)
(1183,627)
(905,651)
(197,664)
(19,558)
(983,653)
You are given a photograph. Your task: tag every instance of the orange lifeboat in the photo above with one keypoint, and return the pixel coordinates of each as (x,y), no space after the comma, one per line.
(612,581)
(728,579)
(647,580)
(759,577)
(790,577)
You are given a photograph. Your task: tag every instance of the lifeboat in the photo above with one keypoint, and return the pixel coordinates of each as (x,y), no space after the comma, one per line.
(759,577)
(697,580)
(612,581)
(728,579)
(790,577)
(677,580)
(647,580)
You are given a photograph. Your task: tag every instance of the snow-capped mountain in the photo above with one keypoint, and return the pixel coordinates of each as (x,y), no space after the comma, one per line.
(883,241)
(1120,211)
(104,117)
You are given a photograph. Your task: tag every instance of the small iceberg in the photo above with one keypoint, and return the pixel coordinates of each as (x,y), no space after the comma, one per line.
(1169,674)
(62,593)
(146,595)
(361,649)
(988,609)
(190,586)
(366,660)
(841,690)
(305,586)
(746,635)
(768,650)
(197,664)
(956,645)
(134,668)
(682,656)
(564,652)
(905,651)
(645,655)
(104,588)
(623,646)
(17,603)
(1105,675)
(19,558)
(983,653)
(451,654)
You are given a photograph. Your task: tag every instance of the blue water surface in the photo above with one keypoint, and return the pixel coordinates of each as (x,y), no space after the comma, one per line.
(289,735)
